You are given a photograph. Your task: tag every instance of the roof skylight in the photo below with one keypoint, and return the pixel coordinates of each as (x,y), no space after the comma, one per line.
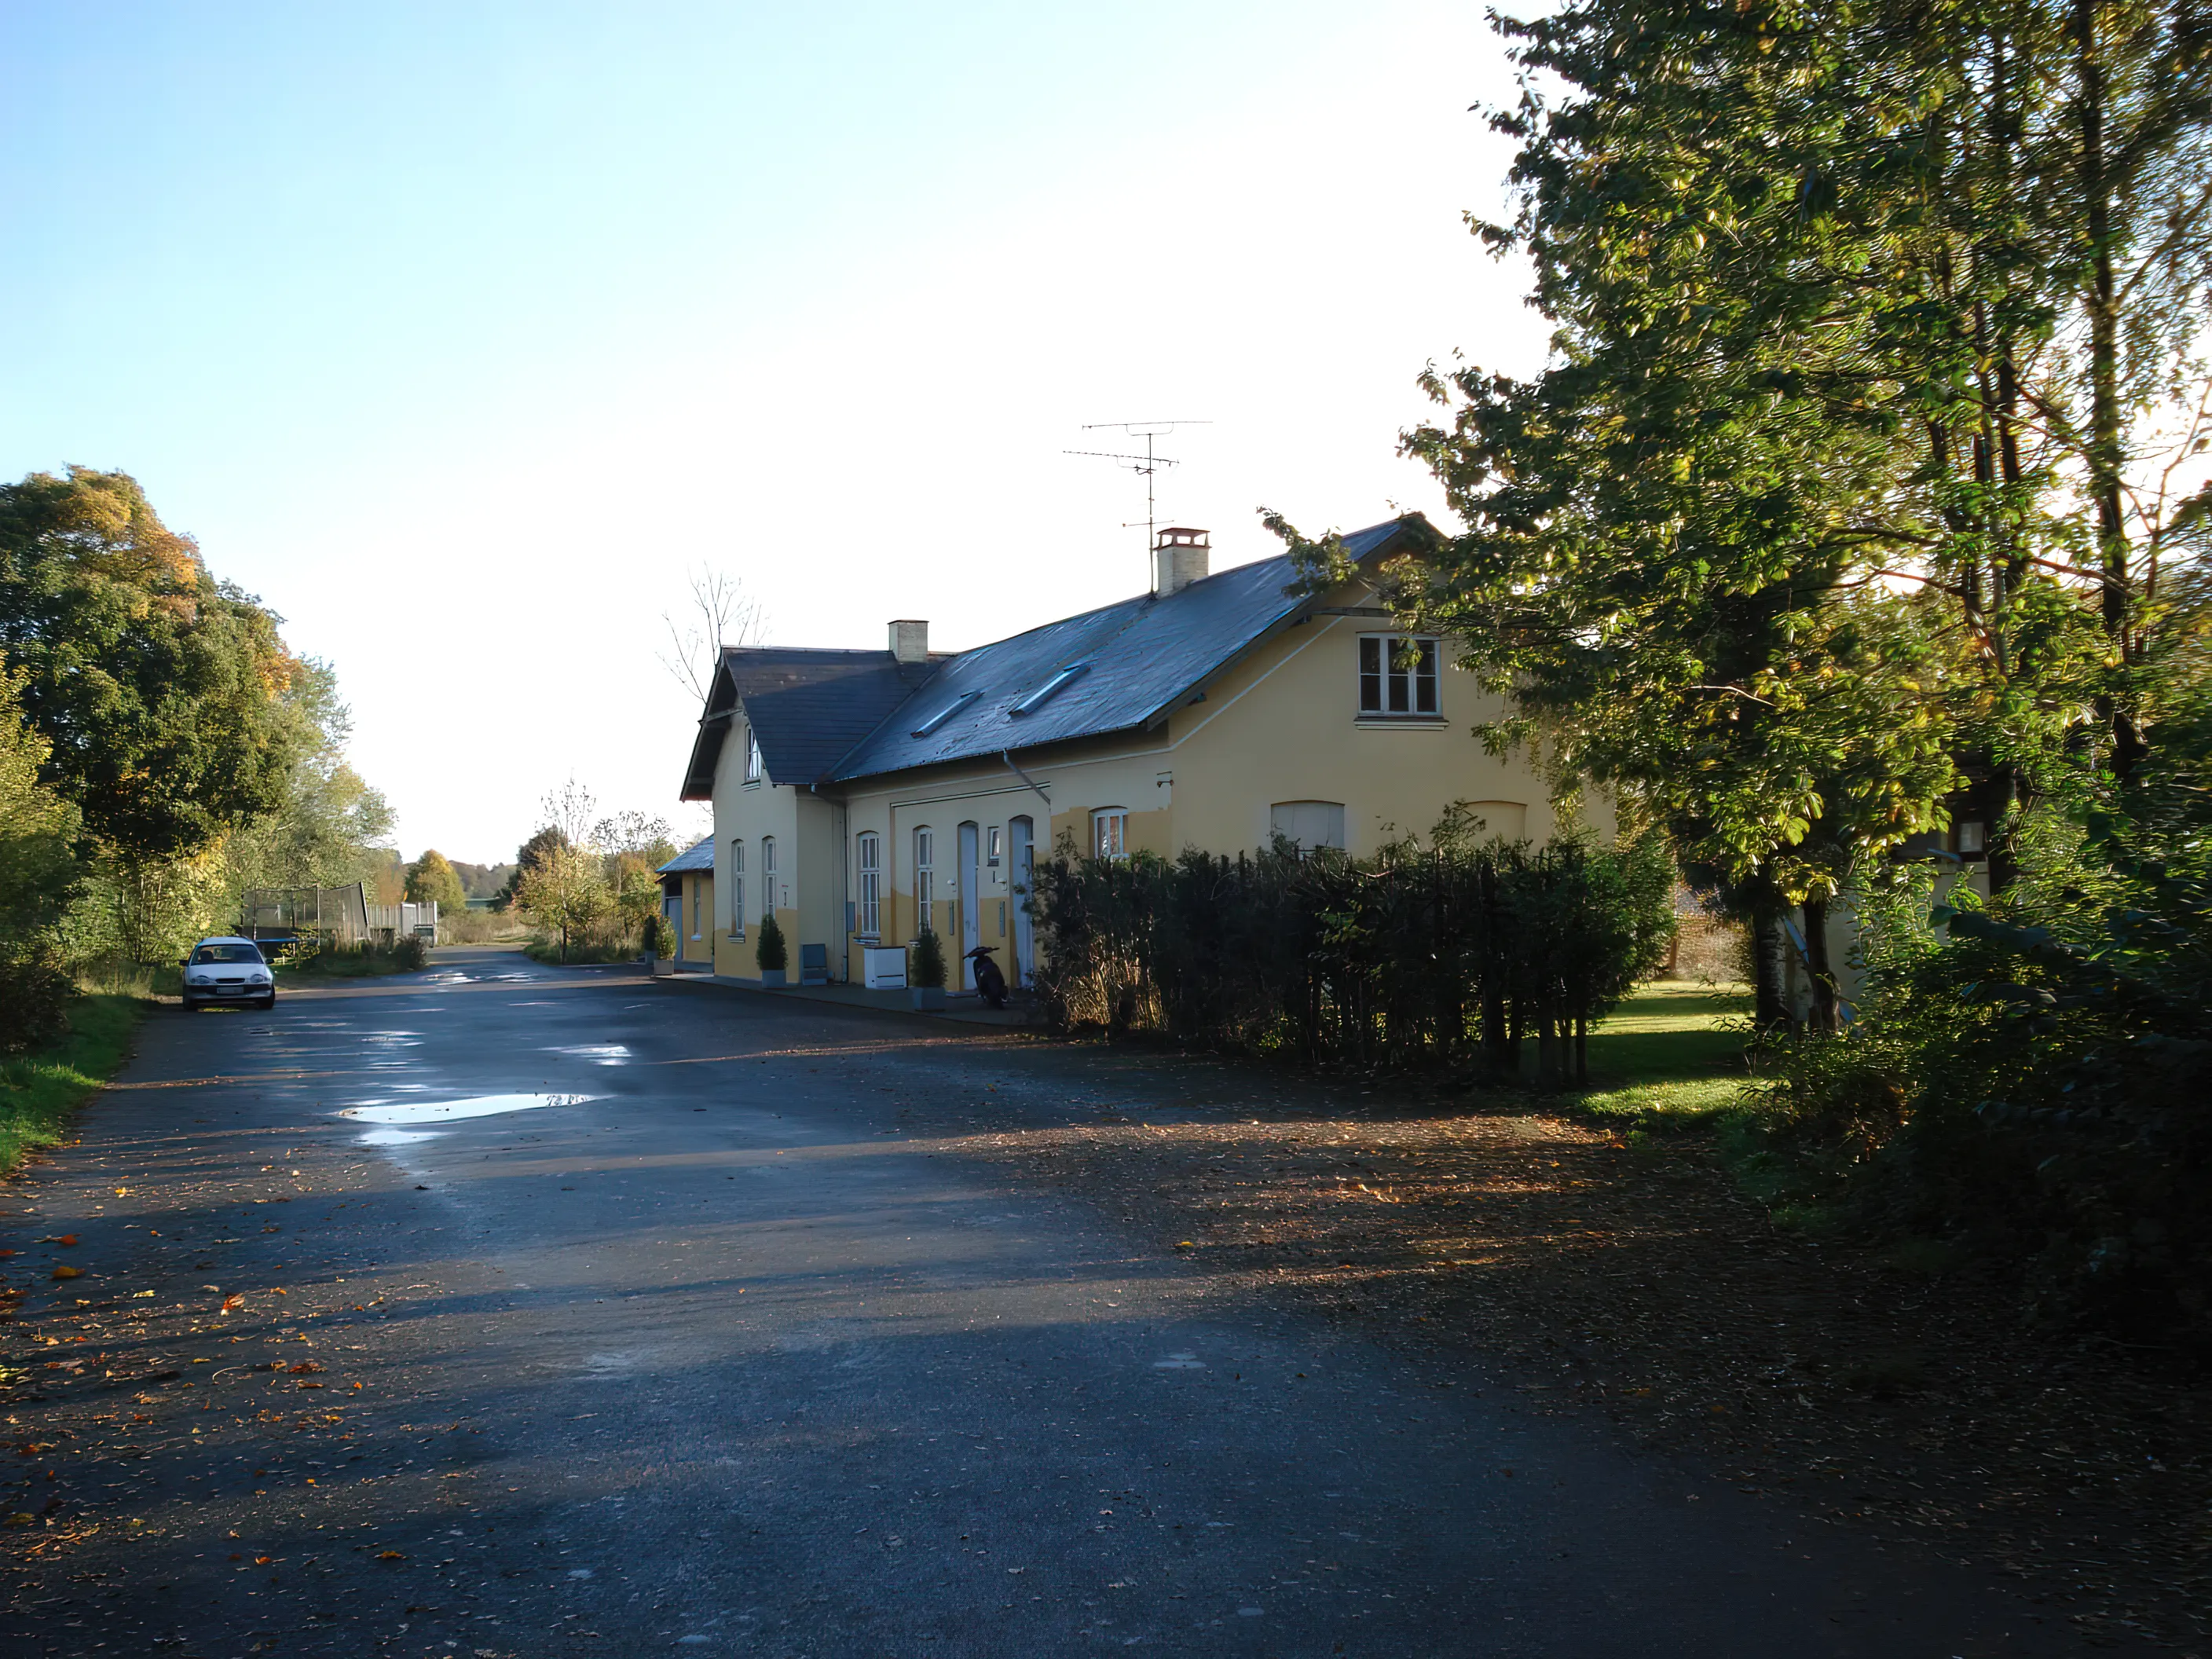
(1052,688)
(946,714)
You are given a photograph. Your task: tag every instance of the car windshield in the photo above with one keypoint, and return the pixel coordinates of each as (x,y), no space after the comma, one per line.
(225,953)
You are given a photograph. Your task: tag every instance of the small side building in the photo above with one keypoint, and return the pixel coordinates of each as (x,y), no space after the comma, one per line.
(687,899)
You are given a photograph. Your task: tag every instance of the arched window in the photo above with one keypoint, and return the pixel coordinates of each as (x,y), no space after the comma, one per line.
(925,878)
(737,889)
(868,851)
(767,876)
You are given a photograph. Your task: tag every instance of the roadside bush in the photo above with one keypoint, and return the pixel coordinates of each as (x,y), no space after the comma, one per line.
(770,954)
(1446,952)
(658,938)
(2030,1079)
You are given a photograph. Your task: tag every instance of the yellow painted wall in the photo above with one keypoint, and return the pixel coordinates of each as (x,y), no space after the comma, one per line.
(1281,725)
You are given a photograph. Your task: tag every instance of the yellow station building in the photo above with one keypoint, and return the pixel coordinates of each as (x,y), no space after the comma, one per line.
(856,793)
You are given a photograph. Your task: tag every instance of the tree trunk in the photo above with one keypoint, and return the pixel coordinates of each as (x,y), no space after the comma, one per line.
(1826,1016)
(1547,1053)
(1582,1050)
(1772,1010)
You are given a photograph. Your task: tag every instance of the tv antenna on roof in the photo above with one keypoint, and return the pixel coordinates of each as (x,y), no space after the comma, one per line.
(1148,464)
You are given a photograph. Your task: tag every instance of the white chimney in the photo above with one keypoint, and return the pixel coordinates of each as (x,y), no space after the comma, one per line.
(1180,557)
(910,641)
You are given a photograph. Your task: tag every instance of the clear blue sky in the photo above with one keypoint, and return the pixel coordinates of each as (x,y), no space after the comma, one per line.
(459,332)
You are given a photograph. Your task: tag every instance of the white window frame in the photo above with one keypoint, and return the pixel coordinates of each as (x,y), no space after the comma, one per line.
(925,877)
(1382,677)
(754,768)
(868,859)
(698,903)
(1276,809)
(767,876)
(1110,833)
(737,888)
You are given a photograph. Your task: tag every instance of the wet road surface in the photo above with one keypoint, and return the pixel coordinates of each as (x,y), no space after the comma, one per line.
(510,1310)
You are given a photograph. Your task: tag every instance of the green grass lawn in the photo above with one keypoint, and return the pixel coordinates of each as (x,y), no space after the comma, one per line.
(1667,1055)
(365,963)
(39,1090)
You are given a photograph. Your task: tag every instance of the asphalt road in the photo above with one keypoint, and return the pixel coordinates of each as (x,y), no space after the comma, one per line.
(726,1347)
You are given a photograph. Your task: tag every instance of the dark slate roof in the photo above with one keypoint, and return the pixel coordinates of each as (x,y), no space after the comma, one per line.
(807,708)
(698,856)
(1144,655)
(825,716)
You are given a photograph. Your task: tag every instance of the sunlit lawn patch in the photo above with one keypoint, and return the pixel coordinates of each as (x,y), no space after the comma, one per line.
(1672,1052)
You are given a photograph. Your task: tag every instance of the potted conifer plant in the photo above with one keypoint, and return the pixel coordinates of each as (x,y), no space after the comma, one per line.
(770,954)
(660,945)
(924,976)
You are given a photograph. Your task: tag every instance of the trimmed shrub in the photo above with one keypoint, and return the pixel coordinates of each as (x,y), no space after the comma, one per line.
(1437,952)
(770,953)
(926,972)
(658,937)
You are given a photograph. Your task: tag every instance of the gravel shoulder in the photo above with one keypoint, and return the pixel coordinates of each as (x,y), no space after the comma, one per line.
(1634,1281)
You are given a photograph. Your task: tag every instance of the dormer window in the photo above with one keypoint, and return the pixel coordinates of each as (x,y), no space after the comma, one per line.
(1052,688)
(942,715)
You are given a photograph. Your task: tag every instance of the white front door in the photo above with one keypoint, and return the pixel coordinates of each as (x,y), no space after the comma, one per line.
(971,904)
(1021,862)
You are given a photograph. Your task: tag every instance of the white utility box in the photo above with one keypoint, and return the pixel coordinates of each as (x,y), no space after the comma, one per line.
(882,966)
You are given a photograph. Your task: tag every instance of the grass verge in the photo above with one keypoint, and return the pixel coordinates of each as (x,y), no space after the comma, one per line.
(365,963)
(585,956)
(1670,1057)
(39,1090)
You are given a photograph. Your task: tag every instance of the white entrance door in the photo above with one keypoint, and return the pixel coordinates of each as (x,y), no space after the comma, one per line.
(1021,862)
(971,904)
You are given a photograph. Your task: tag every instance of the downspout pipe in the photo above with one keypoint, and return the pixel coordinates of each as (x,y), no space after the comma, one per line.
(1007,756)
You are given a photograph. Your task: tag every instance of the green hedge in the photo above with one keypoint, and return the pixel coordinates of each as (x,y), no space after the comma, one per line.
(1442,951)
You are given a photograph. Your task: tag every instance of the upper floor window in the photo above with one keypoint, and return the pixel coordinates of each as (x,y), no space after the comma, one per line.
(868,851)
(1110,833)
(1397,674)
(752,756)
(767,876)
(737,889)
(925,877)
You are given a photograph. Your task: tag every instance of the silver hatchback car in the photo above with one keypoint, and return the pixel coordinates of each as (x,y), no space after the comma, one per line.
(229,969)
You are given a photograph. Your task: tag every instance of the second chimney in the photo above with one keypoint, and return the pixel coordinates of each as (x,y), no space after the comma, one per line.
(910,641)
(1180,557)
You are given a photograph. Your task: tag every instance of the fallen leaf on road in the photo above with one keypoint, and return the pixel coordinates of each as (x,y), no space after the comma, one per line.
(390,1555)
(69,1272)
(22,1518)
(235,1300)
(305,1368)
(65,1238)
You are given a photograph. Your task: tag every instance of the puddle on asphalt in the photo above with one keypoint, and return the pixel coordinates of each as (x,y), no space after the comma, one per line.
(597,1053)
(423,1112)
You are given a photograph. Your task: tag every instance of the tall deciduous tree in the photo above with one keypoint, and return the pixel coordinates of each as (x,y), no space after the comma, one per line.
(432,880)
(160,690)
(1873,410)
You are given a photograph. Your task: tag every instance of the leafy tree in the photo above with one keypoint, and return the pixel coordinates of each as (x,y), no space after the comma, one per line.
(39,876)
(1869,417)
(528,856)
(565,893)
(328,827)
(431,880)
(160,691)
